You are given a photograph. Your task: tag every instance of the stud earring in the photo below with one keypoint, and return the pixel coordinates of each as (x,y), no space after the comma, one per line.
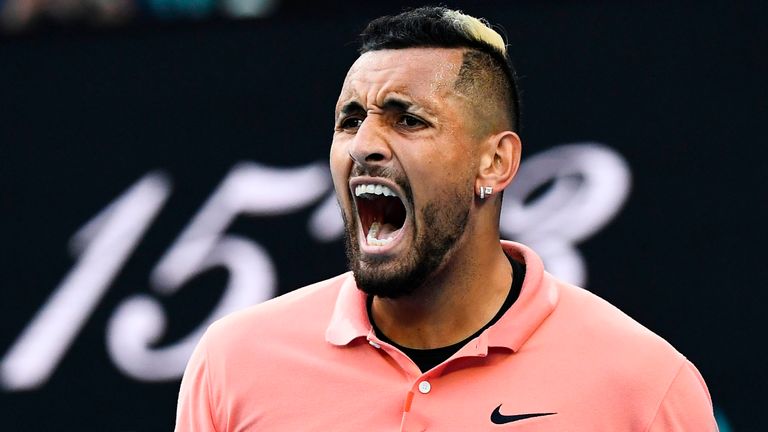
(485,191)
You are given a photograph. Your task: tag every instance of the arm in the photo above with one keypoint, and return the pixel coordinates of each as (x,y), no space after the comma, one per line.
(686,406)
(194,412)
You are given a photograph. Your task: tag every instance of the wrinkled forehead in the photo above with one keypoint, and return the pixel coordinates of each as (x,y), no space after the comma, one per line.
(417,73)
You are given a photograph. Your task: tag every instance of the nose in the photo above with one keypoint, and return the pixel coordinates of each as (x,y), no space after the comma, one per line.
(370,146)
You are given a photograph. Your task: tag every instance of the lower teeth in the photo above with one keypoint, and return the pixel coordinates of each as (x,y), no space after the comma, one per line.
(371,238)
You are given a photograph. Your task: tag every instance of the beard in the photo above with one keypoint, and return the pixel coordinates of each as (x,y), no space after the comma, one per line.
(433,241)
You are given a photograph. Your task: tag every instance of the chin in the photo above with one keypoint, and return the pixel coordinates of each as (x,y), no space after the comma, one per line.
(403,274)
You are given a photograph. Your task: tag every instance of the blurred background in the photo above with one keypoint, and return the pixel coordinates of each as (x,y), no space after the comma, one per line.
(164,162)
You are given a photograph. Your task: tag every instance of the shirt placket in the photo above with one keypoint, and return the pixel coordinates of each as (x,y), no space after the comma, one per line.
(422,386)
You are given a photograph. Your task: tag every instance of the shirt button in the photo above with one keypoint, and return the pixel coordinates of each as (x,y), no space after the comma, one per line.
(425,387)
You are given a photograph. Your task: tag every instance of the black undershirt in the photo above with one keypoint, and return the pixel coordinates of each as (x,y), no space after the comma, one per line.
(426,359)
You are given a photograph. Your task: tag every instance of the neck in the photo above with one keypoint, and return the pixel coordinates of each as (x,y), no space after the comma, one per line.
(456,301)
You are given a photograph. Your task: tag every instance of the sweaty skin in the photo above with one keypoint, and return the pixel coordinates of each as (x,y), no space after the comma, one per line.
(400,120)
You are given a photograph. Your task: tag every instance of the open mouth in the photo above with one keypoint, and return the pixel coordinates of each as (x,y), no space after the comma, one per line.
(381,211)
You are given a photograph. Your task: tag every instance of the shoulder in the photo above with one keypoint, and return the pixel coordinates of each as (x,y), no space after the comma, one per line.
(622,358)
(606,339)
(618,365)
(306,309)
(242,351)
(603,322)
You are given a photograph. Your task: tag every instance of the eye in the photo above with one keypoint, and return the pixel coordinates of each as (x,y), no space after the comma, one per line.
(410,122)
(350,123)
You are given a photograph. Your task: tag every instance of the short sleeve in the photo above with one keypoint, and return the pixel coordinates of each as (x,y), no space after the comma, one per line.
(687,405)
(194,413)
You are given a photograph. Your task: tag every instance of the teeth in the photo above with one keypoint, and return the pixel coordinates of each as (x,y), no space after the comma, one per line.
(373,189)
(376,242)
(373,231)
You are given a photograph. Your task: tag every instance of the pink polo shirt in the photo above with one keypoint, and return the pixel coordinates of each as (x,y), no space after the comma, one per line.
(560,359)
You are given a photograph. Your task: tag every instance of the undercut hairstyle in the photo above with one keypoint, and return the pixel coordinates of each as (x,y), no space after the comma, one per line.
(486,73)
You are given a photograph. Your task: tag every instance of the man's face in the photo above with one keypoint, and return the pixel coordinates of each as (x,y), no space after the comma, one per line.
(403,166)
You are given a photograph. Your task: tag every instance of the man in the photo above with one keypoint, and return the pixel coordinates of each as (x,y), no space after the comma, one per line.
(440,326)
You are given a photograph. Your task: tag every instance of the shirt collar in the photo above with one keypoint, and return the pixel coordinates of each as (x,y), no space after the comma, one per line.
(538,298)
(349,320)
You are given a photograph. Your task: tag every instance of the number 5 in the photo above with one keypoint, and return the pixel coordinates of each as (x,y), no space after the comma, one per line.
(250,189)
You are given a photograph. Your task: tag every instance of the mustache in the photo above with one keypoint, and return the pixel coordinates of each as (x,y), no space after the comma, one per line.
(387,173)
(374,171)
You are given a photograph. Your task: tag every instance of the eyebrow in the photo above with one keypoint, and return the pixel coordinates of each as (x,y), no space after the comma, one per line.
(352,107)
(390,104)
(394,104)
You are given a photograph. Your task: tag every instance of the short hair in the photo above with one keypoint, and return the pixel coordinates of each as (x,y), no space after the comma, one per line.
(485,65)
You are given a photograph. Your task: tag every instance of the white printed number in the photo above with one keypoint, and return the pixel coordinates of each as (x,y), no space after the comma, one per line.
(588,184)
(106,242)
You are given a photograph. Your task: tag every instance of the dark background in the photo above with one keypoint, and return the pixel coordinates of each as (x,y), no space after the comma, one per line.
(678,90)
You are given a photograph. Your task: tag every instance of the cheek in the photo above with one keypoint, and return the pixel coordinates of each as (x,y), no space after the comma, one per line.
(441,183)
(439,170)
(340,164)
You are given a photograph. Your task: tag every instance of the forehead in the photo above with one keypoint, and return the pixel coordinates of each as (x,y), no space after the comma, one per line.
(416,73)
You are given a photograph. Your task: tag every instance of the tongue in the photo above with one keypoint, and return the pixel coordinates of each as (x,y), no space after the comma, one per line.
(385,230)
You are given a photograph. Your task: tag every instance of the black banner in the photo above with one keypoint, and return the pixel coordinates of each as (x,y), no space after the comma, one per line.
(158,175)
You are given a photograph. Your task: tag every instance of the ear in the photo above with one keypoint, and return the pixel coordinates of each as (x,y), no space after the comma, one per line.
(499,162)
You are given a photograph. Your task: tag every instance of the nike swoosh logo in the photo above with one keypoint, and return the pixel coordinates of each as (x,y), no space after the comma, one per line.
(498,418)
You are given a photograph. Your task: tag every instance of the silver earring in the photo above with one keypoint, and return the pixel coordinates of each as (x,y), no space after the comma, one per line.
(485,191)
